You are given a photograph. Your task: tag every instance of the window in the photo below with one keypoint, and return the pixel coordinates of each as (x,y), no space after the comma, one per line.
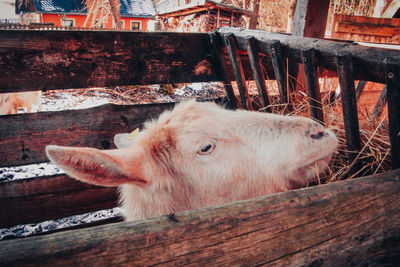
(67,22)
(187,2)
(136,25)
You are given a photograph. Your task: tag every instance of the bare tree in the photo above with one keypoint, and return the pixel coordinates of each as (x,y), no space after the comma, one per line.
(100,10)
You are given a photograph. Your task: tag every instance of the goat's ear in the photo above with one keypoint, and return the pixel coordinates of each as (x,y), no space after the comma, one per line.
(122,140)
(94,166)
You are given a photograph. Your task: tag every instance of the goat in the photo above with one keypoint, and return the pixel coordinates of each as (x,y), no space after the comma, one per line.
(199,155)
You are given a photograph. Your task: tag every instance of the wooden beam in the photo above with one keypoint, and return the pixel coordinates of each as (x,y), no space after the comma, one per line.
(380,104)
(313,90)
(309,21)
(252,50)
(42,60)
(223,70)
(393,97)
(310,18)
(51,197)
(231,46)
(360,88)
(185,12)
(370,29)
(275,51)
(368,62)
(218,13)
(345,72)
(344,223)
(25,136)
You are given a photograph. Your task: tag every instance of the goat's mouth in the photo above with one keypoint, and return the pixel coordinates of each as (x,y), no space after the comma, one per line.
(307,172)
(316,166)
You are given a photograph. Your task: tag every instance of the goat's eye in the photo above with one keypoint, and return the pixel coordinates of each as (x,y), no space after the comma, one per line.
(206,149)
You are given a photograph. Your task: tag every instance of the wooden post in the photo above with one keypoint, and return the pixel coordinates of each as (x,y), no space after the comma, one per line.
(216,42)
(218,14)
(313,90)
(254,14)
(231,45)
(310,18)
(309,21)
(380,104)
(252,50)
(349,106)
(275,50)
(393,97)
(360,88)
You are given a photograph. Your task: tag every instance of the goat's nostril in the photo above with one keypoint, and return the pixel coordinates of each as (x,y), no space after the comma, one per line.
(317,136)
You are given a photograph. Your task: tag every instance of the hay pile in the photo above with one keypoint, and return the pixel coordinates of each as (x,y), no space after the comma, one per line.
(375,145)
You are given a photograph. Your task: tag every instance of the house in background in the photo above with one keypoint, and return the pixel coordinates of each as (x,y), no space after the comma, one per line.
(199,15)
(135,14)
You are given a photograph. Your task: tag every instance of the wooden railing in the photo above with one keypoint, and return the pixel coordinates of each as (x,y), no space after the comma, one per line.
(346,222)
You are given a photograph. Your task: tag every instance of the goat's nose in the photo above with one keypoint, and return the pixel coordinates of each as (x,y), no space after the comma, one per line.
(316,131)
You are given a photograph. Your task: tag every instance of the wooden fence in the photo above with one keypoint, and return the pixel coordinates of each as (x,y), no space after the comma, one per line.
(350,222)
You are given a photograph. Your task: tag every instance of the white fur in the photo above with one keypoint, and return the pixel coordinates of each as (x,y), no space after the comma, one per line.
(164,170)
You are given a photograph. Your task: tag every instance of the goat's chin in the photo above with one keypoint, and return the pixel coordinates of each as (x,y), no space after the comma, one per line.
(306,173)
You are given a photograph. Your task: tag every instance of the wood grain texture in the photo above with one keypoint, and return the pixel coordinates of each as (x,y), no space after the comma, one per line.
(313,89)
(255,62)
(345,72)
(23,137)
(393,97)
(372,29)
(223,70)
(310,18)
(51,197)
(237,66)
(368,61)
(366,29)
(339,224)
(42,60)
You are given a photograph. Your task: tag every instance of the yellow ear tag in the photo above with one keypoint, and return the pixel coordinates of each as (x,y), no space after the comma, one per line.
(133,134)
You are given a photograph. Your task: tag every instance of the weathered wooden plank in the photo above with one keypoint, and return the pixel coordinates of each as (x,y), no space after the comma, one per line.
(23,137)
(51,197)
(44,60)
(360,88)
(368,61)
(380,104)
(313,90)
(393,97)
(231,46)
(351,222)
(310,18)
(275,51)
(223,70)
(349,109)
(252,50)
(366,28)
